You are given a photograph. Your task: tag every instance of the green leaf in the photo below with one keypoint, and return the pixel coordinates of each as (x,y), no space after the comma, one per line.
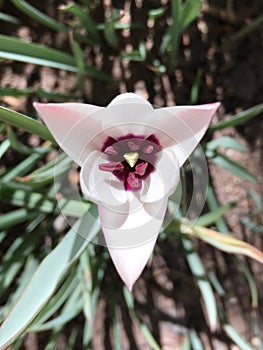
(190,11)
(15,92)
(225,243)
(42,203)
(213,216)
(47,173)
(84,17)
(39,16)
(225,142)
(156,13)
(206,290)
(43,283)
(236,338)
(55,303)
(16,255)
(235,168)
(26,123)
(19,50)
(250,27)
(15,217)
(22,167)
(196,87)
(195,340)
(16,144)
(4,147)
(7,18)
(111,35)
(239,118)
(143,327)
(214,206)
(49,95)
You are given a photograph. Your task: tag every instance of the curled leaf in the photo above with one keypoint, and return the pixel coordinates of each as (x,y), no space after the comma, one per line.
(226,243)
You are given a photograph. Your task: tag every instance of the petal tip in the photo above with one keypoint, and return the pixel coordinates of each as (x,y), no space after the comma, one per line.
(128,97)
(129,286)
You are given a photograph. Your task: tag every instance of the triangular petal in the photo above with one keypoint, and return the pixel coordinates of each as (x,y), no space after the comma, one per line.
(183,127)
(129,113)
(131,244)
(163,181)
(75,126)
(101,186)
(130,262)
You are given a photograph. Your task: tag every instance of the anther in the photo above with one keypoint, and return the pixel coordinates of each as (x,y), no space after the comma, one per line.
(131,158)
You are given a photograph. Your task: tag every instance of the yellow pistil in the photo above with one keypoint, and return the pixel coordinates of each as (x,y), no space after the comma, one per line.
(131,158)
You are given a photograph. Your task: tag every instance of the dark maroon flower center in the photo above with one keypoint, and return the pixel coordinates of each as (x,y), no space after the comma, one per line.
(131,158)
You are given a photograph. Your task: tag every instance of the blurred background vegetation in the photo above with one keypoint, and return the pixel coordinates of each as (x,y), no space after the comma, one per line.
(170,52)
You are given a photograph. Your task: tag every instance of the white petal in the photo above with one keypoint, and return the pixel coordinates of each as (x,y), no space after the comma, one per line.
(130,262)
(75,126)
(128,97)
(183,127)
(131,244)
(101,186)
(163,181)
(129,113)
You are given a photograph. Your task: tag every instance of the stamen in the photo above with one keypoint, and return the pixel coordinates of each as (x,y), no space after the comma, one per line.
(140,169)
(111,166)
(131,158)
(133,181)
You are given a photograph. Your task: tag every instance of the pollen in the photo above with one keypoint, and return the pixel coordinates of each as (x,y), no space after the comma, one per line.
(131,158)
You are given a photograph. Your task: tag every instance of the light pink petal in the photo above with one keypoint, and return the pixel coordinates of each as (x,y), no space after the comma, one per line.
(128,113)
(130,262)
(101,186)
(131,244)
(75,126)
(163,181)
(183,127)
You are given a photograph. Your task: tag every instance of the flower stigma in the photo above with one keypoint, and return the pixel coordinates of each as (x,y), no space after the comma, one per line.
(131,158)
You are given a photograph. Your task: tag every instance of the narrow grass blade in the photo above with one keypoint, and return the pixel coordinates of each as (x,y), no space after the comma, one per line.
(236,338)
(39,16)
(234,167)
(15,217)
(26,123)
(189,12)
(6,91)
(248,29)
(213,216)
(42,203)
(143,327)
(239,118)
(15,143)
(56,302)
(16,49)
(213,206)
(226,243)
(206,290)
(4,147)
(84,17)
(22,168)
(43,283)
(225,142)
(195,340)
(7,18)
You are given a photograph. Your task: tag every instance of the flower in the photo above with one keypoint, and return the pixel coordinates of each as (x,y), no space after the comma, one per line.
(130,155)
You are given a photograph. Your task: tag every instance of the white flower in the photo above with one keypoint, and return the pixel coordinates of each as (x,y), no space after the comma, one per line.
(130,155)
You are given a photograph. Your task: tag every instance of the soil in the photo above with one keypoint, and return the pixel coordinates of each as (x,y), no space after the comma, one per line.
(166,295)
